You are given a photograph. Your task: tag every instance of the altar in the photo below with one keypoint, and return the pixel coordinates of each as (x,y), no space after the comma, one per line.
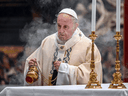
(64,90)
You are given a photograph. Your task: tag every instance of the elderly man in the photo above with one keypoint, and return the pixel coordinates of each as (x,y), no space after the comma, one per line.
(66,54)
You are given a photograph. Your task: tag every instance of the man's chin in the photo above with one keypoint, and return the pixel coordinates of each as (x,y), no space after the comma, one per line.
(62,39)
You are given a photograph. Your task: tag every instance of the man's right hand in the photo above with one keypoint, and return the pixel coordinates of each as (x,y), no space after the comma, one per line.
(32,62)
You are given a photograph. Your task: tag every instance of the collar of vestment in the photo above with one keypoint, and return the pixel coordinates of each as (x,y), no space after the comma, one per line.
(72,41)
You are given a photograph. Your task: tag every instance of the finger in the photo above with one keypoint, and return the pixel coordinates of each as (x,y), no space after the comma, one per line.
(35,61)
(58,63)
(32,62)
(55,62)
(55,65)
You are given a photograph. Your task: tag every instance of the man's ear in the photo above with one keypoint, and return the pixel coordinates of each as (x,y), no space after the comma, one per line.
(77,25)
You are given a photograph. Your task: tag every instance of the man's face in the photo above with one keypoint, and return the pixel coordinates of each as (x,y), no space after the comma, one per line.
(66,26)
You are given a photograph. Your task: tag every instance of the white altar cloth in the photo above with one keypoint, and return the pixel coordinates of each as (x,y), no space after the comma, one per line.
(65,90)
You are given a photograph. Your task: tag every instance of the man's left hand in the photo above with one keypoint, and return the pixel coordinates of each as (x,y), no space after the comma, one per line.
(57,64)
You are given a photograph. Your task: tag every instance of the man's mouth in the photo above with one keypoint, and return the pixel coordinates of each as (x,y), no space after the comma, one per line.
(61,34)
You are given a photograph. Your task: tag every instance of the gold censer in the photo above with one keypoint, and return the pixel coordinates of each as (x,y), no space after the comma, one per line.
(32,75)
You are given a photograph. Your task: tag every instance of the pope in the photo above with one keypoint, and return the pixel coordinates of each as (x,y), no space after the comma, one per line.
(66,54)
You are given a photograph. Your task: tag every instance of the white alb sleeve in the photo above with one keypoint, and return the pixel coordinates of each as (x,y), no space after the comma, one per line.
(66,75)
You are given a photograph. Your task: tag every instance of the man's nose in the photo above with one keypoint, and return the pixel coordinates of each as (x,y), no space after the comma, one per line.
(61,30)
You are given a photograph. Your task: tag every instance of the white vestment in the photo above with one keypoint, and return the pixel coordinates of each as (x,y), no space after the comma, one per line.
(77,70)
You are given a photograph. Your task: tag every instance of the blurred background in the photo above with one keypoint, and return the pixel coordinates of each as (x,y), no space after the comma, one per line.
(25,23)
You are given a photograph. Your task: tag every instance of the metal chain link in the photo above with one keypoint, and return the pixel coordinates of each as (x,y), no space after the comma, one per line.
(67,58)
(54,59)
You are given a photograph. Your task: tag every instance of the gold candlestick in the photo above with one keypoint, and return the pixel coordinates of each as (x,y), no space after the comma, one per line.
(93,83)
(117,83)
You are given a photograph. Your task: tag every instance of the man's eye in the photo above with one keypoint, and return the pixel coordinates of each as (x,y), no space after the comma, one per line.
(59,26)
(65,27)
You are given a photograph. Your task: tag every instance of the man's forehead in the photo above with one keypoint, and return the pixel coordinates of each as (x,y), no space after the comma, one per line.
(64,16)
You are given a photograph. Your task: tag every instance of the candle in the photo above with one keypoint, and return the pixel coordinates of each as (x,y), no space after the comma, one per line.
(118,15)
(93,15)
